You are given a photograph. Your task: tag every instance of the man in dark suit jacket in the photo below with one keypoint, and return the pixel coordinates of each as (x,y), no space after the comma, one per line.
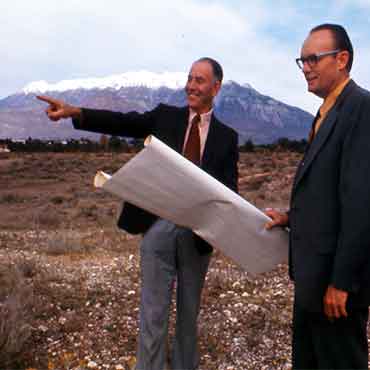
(329,216)
(168,251)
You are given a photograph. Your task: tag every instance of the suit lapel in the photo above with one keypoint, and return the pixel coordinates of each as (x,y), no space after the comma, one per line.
(317,143)
(181,126)
(322,135)
(211,142)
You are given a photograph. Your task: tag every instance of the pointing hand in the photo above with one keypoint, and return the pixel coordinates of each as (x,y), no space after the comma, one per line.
(58,109)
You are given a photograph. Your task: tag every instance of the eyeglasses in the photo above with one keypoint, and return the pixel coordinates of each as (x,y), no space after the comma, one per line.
(313,59)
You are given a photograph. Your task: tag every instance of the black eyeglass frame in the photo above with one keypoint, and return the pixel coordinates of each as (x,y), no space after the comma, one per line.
(313,59)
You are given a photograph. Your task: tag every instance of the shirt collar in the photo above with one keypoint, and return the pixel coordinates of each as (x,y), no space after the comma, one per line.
(205,118)
(332,98)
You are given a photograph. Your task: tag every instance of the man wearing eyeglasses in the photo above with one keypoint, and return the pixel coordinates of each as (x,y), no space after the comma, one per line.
(329,216)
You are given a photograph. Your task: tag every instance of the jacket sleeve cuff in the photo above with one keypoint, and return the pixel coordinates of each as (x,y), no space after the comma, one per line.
(344,282)
(78,123)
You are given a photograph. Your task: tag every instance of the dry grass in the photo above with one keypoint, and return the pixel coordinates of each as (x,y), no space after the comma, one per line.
(70,281)
(81,276)
(66,242)
(9,198)
(16,303)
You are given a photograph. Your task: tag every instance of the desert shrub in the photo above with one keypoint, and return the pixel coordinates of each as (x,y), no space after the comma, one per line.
(11,198)
(254,184)
(16,166)
(16,301)
(48,175)
(58,199)
(248,146)
(87,209)
(47,217)
(27,267)
(66,242)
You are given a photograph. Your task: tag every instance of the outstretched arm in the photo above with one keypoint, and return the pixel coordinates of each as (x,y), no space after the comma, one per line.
(131,124)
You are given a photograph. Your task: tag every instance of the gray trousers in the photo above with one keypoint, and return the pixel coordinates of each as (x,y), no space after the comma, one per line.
(168,253)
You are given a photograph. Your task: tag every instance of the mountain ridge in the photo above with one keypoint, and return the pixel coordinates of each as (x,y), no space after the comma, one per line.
(253,115)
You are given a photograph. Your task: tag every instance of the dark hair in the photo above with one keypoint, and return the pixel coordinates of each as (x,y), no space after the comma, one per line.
(342,40)
(216,67)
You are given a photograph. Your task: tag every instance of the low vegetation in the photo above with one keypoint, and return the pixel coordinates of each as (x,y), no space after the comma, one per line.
(70,280)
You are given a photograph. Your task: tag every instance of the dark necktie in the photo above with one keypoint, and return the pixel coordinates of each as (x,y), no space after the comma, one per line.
(192,147)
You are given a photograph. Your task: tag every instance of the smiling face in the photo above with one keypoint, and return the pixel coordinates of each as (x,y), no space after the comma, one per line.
(330,70)
(201,87)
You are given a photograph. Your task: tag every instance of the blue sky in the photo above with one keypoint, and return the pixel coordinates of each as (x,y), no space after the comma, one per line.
(255,41)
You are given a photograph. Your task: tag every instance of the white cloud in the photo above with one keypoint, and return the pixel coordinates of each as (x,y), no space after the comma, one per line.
(104,37)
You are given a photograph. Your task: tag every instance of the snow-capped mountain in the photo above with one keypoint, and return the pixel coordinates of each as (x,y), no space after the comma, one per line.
(255,116)
(171,80)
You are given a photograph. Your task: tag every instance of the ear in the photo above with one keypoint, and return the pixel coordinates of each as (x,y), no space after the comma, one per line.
(216,87)
(342,58)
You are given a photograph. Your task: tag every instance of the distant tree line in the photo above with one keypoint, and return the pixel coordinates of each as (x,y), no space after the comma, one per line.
(117,144)
(109,144)
(283,144)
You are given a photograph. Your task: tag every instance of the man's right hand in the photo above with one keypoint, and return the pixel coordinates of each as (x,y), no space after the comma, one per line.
(58,109)
(277,219)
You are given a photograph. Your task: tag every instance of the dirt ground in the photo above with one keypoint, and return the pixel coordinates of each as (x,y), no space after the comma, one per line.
(76,280)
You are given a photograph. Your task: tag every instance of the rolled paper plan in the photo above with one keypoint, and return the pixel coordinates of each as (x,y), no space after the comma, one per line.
(163,182)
